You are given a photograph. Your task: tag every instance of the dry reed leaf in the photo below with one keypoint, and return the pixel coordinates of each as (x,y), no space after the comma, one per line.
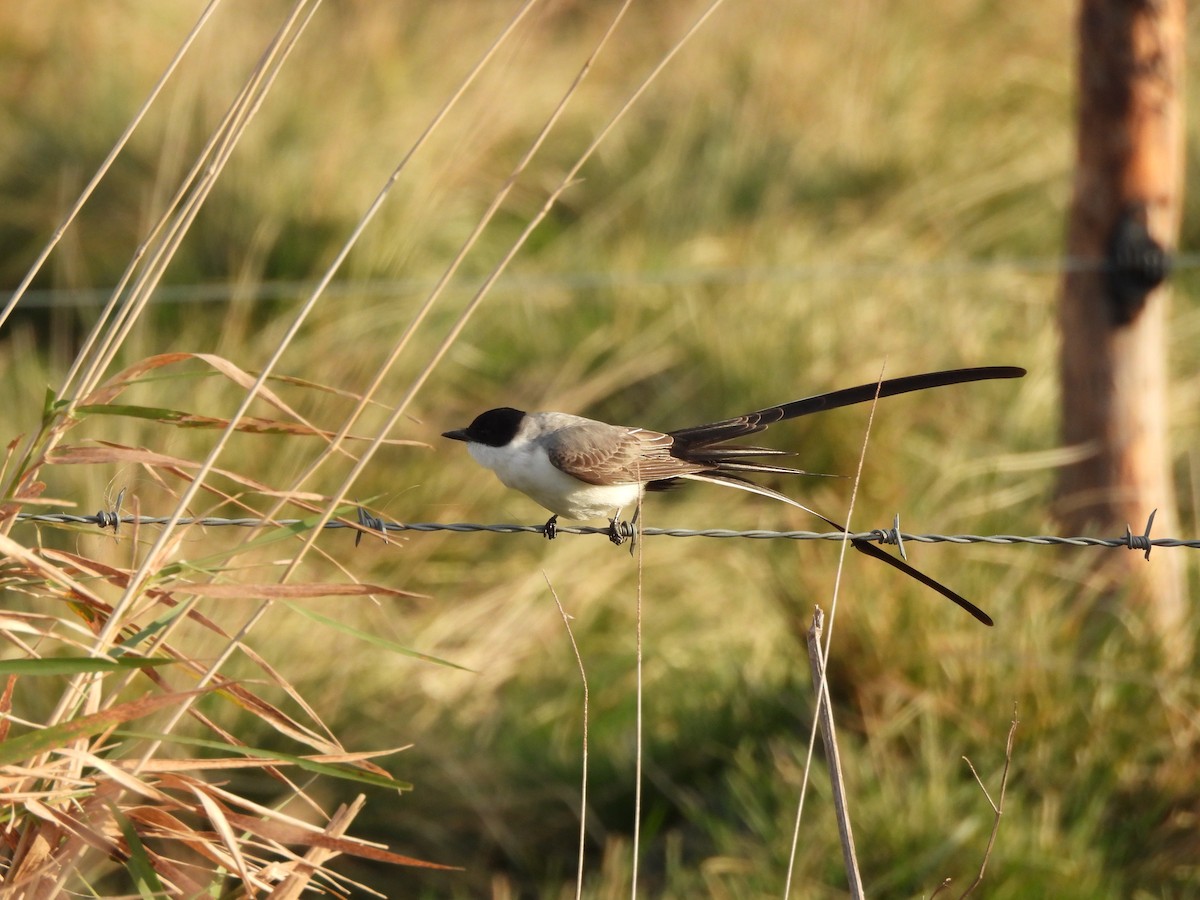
(155,821)
(101,399)
(116,772)
(74,825)
(89,566)
(216,815)
(107,453)
(26,746)
(285,833)
(115,385)
(34,561)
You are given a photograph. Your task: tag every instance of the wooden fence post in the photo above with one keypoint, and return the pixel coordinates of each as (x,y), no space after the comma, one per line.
(1124,221)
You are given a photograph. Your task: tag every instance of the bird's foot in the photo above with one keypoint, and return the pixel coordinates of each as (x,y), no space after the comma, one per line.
(618,531)
(550,529)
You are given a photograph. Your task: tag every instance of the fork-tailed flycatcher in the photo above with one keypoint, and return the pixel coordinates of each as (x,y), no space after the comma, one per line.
(584,469)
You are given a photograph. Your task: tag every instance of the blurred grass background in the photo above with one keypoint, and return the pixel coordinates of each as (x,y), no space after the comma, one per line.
(808,194)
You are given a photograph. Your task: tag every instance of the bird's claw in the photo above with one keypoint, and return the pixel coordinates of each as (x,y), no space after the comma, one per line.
(619,532)
(550,529)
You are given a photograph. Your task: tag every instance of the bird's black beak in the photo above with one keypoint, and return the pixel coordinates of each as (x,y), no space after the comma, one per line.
(458,434)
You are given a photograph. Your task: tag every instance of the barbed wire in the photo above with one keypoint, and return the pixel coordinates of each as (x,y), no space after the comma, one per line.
(368,524)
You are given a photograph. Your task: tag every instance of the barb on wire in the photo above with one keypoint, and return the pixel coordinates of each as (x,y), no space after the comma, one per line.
(893,535)
(1141,541)
(111,518)
(366,520)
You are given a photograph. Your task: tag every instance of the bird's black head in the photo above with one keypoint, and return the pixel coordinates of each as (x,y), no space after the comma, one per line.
(494,428)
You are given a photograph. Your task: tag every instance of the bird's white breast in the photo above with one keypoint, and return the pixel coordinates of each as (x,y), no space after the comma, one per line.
(524,466)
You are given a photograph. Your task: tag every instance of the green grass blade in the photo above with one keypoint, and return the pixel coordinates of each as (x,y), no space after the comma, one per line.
(374,638)
(77,665)
(140,868)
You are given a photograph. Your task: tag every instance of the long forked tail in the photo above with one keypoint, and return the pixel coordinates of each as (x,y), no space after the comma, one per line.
(707,445)
(864,547)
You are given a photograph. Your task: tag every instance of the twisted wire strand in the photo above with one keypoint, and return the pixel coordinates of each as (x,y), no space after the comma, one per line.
(368,524)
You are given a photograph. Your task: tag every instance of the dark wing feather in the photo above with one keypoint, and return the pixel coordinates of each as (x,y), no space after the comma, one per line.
(618,455)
